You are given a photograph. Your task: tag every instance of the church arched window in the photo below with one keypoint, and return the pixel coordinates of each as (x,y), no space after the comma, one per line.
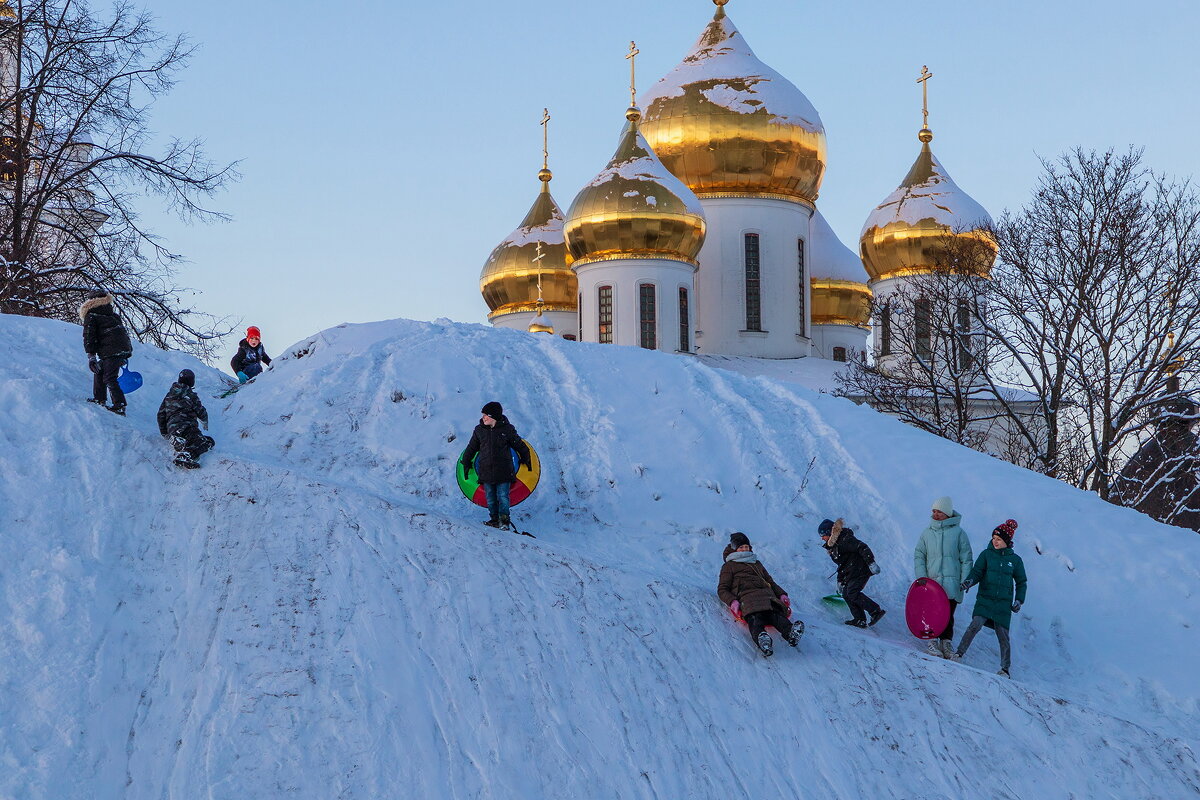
(684,321)
(605,318)
(648,316)
(803,286)
(753,283)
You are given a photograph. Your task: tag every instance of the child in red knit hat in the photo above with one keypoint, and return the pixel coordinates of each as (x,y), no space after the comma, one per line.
(248,361)
(997,571)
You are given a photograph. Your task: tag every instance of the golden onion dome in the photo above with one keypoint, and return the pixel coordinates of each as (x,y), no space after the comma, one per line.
(908,232)
(509,280)
(840,295)
(635,208)
(727,124)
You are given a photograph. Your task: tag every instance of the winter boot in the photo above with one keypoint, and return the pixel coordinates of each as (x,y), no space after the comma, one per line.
(505,521)
(934,647)
(947,647)
(856,623)
(765,644)
(186,461)
(1004,673)
(793,638)
(120,410)
(876,617)
(94,400)
(493,523)
(954,656)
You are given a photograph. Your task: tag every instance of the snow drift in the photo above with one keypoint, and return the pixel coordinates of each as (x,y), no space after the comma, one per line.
(318,613)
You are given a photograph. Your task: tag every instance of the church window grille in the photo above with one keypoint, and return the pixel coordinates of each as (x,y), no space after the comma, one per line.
(684,321)
(885,331)
(922,328)
(839,354)
(753,284)
(605,329)
(803,287)
(649,316)
(965,358)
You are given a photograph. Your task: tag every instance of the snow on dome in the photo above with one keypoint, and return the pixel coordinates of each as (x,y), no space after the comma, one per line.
(907,231)
(635,206)
(724,121)
(731,76)
(831,259)
(509,279)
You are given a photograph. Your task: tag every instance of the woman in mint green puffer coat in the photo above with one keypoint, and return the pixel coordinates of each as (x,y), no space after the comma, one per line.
(944,554)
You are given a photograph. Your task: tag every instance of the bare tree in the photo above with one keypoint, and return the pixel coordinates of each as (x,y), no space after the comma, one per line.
(928,369)
(1094,295)
(76,157)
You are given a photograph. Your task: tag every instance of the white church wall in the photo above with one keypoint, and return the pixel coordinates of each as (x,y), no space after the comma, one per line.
(825,338)
(626,277)
(721,299)
(565,323)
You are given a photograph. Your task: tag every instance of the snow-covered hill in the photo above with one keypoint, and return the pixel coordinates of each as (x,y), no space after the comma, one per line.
(318,613)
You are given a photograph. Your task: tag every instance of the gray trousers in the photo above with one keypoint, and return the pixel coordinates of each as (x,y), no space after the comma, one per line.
(1001,636)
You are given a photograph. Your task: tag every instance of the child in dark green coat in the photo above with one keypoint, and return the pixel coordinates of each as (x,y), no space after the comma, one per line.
(997,570)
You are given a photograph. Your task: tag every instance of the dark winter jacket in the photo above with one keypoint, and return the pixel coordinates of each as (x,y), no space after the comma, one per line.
(249,360)
(852,556)
(180,409)
(750,584)
(997,572)
(103,333)
(494,446)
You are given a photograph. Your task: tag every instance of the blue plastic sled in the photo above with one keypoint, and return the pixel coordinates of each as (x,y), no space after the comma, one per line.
(129,381)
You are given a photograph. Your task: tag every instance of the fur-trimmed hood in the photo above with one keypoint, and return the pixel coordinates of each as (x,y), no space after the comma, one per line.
(93,303)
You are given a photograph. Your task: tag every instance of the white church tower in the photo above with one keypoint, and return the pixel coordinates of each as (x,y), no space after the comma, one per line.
(633,234)
(752,148)
(907,235)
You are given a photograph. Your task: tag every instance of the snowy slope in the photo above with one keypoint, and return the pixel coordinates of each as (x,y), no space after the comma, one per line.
(317,612)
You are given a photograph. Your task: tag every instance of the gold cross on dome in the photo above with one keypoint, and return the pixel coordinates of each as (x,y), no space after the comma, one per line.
(924,81)
(536,261)
(632,56)
(545,123)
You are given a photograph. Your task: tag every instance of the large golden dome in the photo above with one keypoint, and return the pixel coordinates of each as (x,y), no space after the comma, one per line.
(509,281)
(727,124)
(840,295)
(907,233)
(635,208)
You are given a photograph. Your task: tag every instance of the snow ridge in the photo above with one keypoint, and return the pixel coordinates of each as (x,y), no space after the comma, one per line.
(318,613)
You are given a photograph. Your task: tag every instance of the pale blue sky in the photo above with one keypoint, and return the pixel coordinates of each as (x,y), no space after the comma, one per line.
(387,147)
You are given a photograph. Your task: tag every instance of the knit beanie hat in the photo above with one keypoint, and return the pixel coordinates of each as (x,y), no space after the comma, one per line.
(738,539)
(493,410)
(825,528)
(253,332)
(1006,531)
(187,377)
(944,505)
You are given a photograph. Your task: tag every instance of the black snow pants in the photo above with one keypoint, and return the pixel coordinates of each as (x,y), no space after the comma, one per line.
(104,381)
(761,619)
(860,605)
(948,634)
(189,442)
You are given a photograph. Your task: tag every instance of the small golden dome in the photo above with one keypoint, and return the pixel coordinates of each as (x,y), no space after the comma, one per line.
(540,327)
(726,123)
(509,280)
(840,295)
(906,233)
(635,208)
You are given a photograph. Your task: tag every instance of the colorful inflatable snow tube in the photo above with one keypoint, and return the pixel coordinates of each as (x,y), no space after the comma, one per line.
(523,486)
